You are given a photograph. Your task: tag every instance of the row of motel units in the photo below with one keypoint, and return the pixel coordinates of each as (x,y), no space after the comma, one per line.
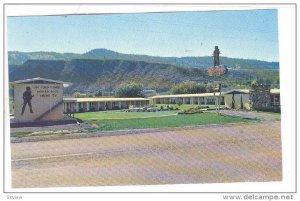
(94,104)
(198,99)
(240,96)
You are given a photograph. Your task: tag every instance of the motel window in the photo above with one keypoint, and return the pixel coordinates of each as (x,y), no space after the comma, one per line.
(210,101)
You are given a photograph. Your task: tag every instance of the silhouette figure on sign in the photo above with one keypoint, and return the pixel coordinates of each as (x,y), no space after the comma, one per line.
(27,96)
(216,56)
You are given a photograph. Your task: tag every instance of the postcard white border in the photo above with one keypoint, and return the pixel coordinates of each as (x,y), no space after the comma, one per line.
(286,15)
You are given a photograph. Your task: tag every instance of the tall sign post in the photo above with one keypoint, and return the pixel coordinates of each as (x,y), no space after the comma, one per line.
(217,70)
(220,86)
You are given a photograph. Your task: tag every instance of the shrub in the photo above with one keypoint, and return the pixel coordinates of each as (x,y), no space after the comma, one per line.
(192,87)
(128,90)
(191,111)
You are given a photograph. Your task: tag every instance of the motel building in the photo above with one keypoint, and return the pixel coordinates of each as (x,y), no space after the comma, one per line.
(275,97)
(233,99)
(238,97)
(198,99)
(98,104)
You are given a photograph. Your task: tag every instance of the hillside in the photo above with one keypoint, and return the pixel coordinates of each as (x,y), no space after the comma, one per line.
(18,58)
(93,75)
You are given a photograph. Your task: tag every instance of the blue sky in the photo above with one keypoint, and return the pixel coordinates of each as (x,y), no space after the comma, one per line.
(251,34)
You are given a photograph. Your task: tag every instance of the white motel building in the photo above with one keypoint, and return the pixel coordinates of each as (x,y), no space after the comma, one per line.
(96,104)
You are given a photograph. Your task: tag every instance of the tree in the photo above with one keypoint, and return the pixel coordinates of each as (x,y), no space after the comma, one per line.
(189,88)
(98,93)
(76,94)
(129,90)
(210,88)
(254,83)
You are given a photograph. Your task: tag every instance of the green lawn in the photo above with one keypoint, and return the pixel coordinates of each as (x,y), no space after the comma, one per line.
(161,121)
(20,134)
(184,106)
(121,115)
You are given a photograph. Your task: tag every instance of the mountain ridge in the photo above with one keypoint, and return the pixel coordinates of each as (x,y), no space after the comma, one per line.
(106,75)
(203,62)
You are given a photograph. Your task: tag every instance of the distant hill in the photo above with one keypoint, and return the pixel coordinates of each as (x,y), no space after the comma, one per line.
(95,74)
(18,58)
(92,74)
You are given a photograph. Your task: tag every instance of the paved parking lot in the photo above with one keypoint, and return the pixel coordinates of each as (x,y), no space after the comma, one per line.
(238,152)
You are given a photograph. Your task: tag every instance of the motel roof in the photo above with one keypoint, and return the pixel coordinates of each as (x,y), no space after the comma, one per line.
(246,91)
(39,80)
(186,95)
(275,91)
(236,91)
(79,100)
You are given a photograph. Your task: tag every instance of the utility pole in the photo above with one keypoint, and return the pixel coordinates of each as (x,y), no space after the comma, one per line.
(220,88)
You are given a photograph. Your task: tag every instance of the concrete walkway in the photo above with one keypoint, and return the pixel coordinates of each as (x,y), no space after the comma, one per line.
(252,115)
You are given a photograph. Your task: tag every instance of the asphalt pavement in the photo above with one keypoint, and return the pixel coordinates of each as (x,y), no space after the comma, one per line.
(241,152)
